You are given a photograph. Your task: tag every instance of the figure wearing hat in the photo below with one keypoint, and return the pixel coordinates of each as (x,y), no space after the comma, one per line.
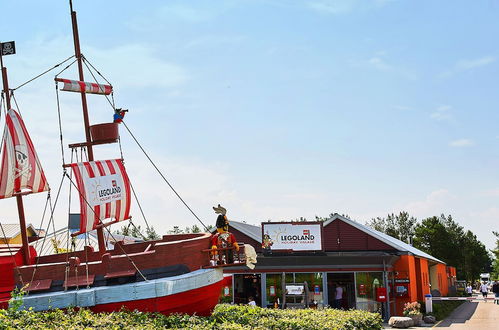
(223,239)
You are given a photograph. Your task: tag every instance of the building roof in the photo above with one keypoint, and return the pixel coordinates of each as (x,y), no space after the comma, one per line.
(12,230)
(392,241)
(254,232)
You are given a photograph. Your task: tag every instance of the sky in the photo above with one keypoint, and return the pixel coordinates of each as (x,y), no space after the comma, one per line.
(275,109)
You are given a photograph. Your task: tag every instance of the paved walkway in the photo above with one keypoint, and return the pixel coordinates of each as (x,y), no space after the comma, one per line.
(473,315)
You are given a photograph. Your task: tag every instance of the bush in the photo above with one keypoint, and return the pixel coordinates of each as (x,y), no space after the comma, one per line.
(263,318)
(225,317)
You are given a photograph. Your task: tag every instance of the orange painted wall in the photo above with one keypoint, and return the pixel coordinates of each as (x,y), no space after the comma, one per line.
(423,277)
(442,279)
(405,268)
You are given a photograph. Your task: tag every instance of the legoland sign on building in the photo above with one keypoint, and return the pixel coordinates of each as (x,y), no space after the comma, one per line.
(295,236)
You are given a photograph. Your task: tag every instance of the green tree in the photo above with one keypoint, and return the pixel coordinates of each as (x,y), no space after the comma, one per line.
(188,230)
(401,226)
(495,252)
(446,240)
(149,234)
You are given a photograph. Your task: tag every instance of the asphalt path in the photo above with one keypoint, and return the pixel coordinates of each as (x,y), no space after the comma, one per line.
(473,315)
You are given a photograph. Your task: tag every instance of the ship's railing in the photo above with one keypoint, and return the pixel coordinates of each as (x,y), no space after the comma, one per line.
(226,257)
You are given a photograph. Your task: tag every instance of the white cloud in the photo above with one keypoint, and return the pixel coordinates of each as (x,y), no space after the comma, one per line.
(474,63)
(434,203)
(337,7)
(464,65)
(380,64)
(461,143)
(442,113)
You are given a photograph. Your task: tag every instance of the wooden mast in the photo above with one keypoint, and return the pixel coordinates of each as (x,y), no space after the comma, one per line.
(19,198)
(76,38)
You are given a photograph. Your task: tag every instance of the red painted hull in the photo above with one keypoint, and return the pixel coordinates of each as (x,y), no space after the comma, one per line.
(200,301)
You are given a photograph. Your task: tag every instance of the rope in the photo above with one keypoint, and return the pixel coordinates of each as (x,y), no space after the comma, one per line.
(48,225)
(60,122)
(15,101)
(137,230)
(57,75)
(162,176)
(140,206)
(12,256)
(66,274)
(43,217)
(96,81)
(41,74)
(86,60)
(110,234)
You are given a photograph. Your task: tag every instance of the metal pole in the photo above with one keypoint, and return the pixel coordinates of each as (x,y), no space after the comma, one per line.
(19,199)
(76,38)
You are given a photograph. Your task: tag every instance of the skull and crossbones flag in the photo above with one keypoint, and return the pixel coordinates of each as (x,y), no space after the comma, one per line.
(20,170)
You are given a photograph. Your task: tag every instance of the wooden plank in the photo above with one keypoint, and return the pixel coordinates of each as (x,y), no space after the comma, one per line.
(81,280)
(123,273)
(39,285)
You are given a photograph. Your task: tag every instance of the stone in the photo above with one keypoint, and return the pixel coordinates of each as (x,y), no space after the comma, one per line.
(429,319)
(416,319)
(400,322)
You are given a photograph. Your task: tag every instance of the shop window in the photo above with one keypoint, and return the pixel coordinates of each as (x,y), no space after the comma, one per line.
(274,290)
(314,294)
(367,285)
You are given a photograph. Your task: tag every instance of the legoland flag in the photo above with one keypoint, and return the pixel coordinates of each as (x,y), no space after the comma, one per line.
(104,190)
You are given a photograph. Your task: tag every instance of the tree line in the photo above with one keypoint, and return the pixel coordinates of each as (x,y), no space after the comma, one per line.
(443,238)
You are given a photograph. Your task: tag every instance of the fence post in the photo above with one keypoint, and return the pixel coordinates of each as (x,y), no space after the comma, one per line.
(428,303)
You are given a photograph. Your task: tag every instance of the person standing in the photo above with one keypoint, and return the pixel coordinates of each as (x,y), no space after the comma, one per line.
(495,289)
(338,296)
(469,290)
(251,301)
(484,289)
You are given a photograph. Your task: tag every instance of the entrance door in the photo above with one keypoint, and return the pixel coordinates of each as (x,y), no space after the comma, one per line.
(247,286)
(347,282)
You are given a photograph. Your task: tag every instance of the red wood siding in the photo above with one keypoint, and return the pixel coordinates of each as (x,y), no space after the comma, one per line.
(340,236)
(242,238)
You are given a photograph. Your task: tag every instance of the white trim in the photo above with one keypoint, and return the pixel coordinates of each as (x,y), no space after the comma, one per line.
(122,293)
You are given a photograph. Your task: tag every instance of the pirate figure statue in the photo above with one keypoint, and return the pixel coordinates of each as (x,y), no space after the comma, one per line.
(223,239)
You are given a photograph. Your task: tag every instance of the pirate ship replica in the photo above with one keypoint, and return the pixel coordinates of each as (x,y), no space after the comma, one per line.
(175,274)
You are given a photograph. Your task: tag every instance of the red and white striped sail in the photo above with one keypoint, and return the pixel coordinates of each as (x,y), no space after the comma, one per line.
(87,87)
(104,190)
(20,170)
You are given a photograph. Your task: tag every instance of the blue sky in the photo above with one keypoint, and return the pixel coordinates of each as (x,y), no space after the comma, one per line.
(279,109)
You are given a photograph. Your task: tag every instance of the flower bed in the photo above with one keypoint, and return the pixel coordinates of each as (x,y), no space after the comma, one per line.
(224,317)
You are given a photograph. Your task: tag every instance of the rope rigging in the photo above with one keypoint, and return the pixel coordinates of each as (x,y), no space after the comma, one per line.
(91,68)
(162,176)
(43,73)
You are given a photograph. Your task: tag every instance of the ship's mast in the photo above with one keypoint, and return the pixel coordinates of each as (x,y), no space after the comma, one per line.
(19,198)
(76,38)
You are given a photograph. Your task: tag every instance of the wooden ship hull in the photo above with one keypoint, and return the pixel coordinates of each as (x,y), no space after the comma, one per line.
(173,268)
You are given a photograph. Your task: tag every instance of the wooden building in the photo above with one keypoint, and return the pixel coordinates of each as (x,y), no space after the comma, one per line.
(376,272)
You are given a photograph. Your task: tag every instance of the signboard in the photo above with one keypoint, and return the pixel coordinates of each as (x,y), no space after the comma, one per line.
(272,291)
(402,280)
(292,236)
(294,289)
(317,290)
(226,291)
(8,48)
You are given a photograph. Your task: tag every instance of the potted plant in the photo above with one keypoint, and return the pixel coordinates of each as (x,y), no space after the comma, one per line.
(413,310)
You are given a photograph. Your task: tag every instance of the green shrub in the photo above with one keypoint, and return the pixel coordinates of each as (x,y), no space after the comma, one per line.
(225,317)
(264,318)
